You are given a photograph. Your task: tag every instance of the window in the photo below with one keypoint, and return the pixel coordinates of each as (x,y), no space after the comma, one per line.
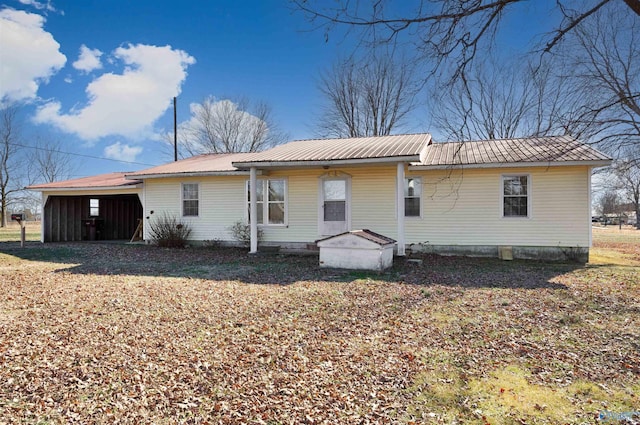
(270,200)
(94,207)
(335,200)
(190,199)
(412,196)
(515,196)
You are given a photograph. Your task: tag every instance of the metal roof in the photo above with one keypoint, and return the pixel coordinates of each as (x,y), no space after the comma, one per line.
(408,147)
(196,165)
(110,180)
(533,150)
(367,234)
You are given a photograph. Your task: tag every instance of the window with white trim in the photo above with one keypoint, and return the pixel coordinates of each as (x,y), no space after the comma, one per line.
(190,199)
(271,201)
(412,197)
(94,207)
(515,196)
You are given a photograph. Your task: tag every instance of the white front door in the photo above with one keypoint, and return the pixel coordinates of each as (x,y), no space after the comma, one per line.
(334,206)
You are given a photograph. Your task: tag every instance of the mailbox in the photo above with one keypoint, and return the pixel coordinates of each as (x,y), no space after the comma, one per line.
(17,217)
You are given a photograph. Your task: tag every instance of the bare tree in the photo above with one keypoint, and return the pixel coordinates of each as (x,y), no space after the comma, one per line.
(627,173)
(10,170)
(604,59)
(608,204)
(226,126)
(48,163)
(368,97)
(445,30)
(499,99)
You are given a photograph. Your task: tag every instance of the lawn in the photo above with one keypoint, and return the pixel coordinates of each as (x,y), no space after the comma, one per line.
(11,233)
(93,333)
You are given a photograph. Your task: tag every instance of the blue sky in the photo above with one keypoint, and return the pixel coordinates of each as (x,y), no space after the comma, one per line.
(99,76)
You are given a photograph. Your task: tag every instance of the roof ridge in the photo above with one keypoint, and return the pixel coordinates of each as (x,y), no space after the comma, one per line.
(359,137)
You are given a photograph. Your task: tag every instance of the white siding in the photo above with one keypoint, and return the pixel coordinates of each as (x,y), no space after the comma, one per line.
(459,208)
(465,208)
(221,203)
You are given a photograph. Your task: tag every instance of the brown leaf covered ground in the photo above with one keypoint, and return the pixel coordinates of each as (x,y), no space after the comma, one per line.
(93,333)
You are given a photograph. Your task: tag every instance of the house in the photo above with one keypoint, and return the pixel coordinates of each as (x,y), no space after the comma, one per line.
(468,198)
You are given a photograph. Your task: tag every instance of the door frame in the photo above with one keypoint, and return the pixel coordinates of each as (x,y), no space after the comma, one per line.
(334,175)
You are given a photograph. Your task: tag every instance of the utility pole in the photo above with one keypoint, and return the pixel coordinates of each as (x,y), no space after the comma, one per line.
(175,129)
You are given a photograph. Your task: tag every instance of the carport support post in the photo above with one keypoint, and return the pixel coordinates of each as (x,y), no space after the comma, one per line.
(253,210)
(400,204)
(23,232)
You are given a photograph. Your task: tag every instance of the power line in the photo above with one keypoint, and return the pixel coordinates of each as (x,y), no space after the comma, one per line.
(79,154)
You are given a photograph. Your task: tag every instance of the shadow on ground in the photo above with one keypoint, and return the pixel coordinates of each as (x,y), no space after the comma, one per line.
(283,269)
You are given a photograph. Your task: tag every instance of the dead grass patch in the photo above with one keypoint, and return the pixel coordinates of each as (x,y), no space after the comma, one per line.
(136,334)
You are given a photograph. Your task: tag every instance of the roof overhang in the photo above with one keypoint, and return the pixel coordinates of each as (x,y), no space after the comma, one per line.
(326,163)
(124,188)
(599,163)
(193,174)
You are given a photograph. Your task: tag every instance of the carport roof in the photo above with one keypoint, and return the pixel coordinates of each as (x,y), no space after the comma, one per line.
(102,181)
(205,164)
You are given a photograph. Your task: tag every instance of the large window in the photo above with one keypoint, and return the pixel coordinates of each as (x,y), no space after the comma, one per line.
(190,199)
(412,196)
(271,201)
(515,196)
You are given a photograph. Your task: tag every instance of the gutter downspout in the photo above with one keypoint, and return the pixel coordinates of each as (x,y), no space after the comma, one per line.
(400,205)
(253,210)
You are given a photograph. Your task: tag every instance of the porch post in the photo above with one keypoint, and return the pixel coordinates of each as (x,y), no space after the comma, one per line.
(42,223)
(400,206)
(253,210)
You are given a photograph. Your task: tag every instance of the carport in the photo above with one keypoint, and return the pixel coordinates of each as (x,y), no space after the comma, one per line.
(103,207)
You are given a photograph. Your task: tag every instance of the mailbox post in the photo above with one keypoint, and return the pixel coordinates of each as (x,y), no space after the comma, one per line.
(20,219)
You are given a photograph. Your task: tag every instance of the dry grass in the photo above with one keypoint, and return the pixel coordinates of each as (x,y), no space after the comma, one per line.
(612,245)
(135,334)
(11,233)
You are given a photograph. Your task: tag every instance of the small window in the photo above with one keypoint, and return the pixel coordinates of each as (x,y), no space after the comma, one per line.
(270,200)
(412,196)
(515,196)
(94,207)
(190,202)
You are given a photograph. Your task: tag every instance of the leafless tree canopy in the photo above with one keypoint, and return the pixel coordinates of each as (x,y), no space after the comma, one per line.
(604,61)
(368,97)
(10,167)
(48,163)
(225,126)
(627,174)
(608,203)
(444,30)
(589,88)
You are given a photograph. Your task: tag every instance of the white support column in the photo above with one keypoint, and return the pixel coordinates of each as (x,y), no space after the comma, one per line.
(42,224)
(253,209)
(400,204)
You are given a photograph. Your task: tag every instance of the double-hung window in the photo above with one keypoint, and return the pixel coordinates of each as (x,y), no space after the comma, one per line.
(94,207)
(412,196)
(270,200)
(190,199)
(515,196)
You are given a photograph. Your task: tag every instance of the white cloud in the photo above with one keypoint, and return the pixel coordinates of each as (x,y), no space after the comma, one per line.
(125,104)
(122,152)
(88,60)
(29,55)
(39,5)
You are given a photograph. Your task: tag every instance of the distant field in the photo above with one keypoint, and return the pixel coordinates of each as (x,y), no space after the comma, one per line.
(11,233)
(612,245)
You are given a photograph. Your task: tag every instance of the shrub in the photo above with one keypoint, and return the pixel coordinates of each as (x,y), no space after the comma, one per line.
(167,231)
(241,232)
